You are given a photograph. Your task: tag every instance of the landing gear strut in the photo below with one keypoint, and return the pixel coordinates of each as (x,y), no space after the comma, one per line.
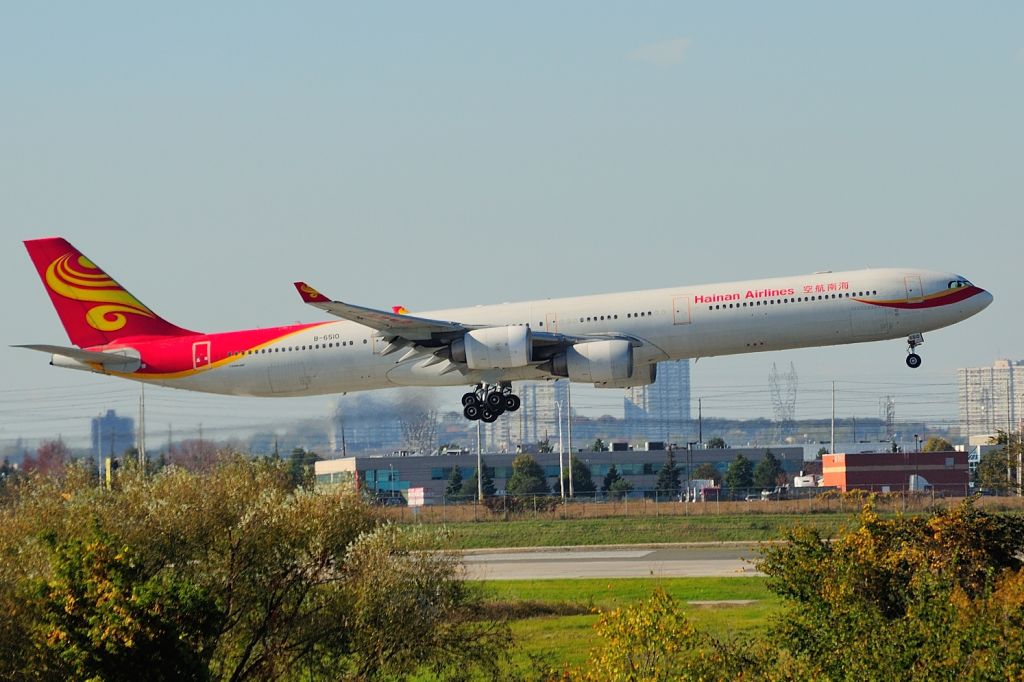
(488,402)
(913,359)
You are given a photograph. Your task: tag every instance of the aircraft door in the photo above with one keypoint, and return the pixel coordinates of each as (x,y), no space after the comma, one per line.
(551,323)
(681,310)
(915,292)
(200,354)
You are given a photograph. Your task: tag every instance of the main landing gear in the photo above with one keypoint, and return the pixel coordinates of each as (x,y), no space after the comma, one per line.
(488,402)
(913,359)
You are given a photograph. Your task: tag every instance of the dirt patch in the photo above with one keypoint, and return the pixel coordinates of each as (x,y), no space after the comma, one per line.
(520,610)
(721,603)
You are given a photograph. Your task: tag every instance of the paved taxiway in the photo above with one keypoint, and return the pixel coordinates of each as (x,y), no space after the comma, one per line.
(631,561)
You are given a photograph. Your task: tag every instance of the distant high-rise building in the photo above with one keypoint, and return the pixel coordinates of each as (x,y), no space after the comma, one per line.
(991,398)
(537,418)
(661,409)
(112,435)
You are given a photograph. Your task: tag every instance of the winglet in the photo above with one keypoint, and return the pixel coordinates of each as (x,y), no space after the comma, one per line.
(309,294)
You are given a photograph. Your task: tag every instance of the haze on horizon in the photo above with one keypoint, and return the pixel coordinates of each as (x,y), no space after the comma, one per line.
(208,156)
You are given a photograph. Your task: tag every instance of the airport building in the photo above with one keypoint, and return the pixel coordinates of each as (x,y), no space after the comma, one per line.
(884,472)
(390,474)
(991,398)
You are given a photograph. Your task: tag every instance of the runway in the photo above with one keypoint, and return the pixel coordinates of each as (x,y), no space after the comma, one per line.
(717,560)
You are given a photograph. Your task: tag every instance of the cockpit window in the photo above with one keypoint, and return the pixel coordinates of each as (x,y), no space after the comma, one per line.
(958,283)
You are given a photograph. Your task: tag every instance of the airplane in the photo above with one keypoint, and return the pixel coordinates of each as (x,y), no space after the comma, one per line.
(608,340)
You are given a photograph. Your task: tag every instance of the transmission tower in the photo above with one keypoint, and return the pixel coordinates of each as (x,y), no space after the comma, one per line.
(783,390)
(887,411)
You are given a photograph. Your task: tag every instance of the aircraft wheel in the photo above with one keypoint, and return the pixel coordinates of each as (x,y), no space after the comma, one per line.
(512,403)
(487,416)
(470,399)
(913,361)
(494,400)
(472,412)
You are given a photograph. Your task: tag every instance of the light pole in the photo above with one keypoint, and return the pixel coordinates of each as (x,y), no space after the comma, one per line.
(561,471)
(568,423)
(479,464)
(917,460)
(689,465)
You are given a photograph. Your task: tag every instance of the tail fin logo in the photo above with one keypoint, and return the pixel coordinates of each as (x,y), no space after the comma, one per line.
(80,280)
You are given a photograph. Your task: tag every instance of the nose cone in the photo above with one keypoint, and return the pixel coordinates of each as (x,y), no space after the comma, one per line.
(982,300)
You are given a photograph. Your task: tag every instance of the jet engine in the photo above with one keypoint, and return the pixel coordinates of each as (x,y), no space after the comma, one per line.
(597,362)
(494,348)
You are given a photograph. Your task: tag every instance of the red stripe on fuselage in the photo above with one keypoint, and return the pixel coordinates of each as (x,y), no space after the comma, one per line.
(172,357)
(934,301)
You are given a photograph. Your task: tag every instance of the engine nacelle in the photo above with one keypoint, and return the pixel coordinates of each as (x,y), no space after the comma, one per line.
(598,362)
(494,348)
(644,375)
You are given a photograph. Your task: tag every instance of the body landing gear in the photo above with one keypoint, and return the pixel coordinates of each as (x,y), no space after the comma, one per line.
(913,359)
(488,402)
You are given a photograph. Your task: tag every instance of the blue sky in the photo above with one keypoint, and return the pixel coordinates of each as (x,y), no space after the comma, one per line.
(445,154)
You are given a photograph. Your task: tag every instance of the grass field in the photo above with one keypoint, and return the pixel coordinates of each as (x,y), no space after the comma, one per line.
(569,638)
(633,530)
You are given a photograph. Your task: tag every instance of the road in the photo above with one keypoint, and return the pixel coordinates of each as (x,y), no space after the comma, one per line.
(718,560)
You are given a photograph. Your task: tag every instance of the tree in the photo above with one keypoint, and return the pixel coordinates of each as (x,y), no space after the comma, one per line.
(469,485)
(707,471)
(582,481)
(454,487)
(110,618)
(997,470)
(196,455)
(545,446)
(619,488)
(301,464)
(527,477)
(768,471)
(716,443)
(598,446)
(255,579)
(906,597)
(610,478)
(51,455)
(651,640)
(937,444)
(408,613)
(739,475)
(668,477)
(992,473)
(418,422)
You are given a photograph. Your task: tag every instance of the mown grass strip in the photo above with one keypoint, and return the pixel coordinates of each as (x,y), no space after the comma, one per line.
(632,530)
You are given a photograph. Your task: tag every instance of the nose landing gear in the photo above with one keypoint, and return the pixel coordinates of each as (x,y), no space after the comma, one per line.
(913,359)
(488,402)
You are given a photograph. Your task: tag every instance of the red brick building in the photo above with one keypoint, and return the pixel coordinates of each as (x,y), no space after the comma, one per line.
(891,472)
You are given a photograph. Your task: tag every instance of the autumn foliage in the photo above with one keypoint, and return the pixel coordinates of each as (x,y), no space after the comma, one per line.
(231,574)
(930,597)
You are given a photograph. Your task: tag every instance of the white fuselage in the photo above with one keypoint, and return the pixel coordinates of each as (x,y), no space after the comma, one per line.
(674,323)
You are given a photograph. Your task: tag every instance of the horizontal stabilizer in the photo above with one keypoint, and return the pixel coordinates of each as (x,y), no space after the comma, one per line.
(117,361)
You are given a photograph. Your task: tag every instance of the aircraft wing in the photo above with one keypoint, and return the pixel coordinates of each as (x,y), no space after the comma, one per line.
(420,335)
(389,324)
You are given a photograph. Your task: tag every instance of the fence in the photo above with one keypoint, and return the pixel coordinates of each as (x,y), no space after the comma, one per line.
(655,503)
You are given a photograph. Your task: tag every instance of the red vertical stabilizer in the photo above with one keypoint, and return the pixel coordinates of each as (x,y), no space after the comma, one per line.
(94,309)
